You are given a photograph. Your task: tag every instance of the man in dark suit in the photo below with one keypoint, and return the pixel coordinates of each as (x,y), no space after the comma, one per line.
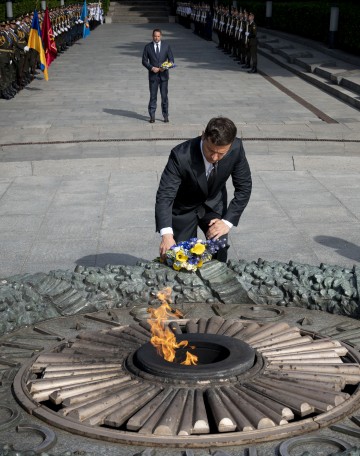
(155,54)
(192,190)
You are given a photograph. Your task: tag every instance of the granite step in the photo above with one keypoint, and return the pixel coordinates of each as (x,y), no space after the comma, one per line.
(136,12)
(140,14)
(139,20)
(339,78)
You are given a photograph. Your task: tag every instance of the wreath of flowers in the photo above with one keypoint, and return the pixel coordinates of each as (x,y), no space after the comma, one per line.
(192,254)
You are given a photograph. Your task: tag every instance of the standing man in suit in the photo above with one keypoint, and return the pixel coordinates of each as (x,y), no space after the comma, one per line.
(192,190)
(155,53)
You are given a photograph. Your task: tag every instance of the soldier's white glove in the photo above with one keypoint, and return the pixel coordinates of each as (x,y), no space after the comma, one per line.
(247,33)
(26,48)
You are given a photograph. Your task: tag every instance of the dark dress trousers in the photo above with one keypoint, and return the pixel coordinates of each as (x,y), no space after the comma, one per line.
(156,80)
(183,200)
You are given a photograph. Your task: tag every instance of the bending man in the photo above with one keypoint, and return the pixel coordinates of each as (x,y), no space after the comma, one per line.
(192,190)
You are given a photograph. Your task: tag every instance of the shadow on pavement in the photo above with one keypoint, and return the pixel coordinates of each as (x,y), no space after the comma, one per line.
(341,246)
(125,113)
(103,259)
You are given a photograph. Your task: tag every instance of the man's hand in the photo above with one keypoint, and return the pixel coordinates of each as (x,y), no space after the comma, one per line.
(167,241)
(155,69)
(217,228)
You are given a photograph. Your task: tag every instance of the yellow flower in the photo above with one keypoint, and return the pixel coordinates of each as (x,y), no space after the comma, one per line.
(180,256)
(176,267)
(200,263)
(198,249)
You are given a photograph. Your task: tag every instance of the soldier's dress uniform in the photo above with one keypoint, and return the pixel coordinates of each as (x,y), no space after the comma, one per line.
(6,56)
(22,33)
(252,47)
(7,66)
(242,30)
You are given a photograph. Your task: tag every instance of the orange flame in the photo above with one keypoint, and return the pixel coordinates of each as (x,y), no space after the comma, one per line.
(190,359)
(163,338)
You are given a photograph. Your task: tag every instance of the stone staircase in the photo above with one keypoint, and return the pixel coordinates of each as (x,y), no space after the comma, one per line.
(138,12)
(319,66)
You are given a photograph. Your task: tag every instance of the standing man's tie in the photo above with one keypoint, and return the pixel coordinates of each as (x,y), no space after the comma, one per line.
(212,176)
(157,52)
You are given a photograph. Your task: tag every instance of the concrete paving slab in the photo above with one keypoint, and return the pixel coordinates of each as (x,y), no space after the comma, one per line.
(334,243)
(83,185)
(28,206)
(276,163)
(143,217)
(344,179)
(4,185)
(15,225)
(321,214)
(15,250)
(330,164)
(10,268)
(15,169)
(352,205)
(285,245)
(61,250)
(291,201)
(138,242)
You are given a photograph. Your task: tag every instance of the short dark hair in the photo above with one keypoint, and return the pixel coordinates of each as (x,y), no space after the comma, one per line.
(221,131)
(157,30)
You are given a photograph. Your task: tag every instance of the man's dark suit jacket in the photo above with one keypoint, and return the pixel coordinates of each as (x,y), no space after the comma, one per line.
(149,59)
(183,186)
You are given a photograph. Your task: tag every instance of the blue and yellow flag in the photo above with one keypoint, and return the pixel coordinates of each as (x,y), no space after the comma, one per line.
(36,43)
(85,18)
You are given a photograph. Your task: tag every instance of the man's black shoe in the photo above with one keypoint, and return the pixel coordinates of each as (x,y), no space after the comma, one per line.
(152,120)
(166,119)
(253,70)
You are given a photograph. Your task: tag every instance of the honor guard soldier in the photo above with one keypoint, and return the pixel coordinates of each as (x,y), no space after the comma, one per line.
(246,40)
(252,44)
(22,32)
(7,91)
(242,46)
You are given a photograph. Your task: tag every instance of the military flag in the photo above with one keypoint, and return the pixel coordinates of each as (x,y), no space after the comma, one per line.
(85,18)
(35,42)
(48,39)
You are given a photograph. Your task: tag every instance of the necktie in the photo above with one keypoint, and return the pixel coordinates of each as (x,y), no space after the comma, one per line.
(157,50)
(212,177)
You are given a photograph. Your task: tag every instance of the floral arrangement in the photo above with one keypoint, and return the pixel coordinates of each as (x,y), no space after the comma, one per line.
(167,65)
(192,254)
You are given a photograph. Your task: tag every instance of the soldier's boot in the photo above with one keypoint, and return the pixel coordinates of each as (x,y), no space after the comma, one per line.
(253,70)
(247,63)
(6,94)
